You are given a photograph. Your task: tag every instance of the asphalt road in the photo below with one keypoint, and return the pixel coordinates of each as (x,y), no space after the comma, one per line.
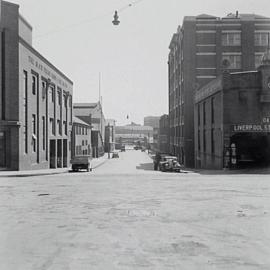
(124,215)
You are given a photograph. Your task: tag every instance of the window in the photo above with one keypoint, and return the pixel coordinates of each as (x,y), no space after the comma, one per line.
(34,138)
(258,59)
(51,93)
(82,142)
(261,39)
(199,115)
(212,110)
(212,141)
(204,140)
(65,100)
(70,101)
(234,61)
(59,127)
(204,114)
(34,84)
(199,141)
(25,108)
(43,133)
(65,127)
(52,127)
(44,86)
(59,97)
(34,124)
(231,39)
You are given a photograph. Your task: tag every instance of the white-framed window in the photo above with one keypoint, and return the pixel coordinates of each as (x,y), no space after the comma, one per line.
(34,138)
(34,84)
(258,59)
(235,61)
(261,38)
(231,39)
(51,93)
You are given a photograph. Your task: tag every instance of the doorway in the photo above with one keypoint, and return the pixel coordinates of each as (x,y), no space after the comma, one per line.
(252,149)
(2,150)
(52,154)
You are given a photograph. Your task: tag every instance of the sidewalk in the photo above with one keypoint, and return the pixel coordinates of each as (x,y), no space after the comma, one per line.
(96,162)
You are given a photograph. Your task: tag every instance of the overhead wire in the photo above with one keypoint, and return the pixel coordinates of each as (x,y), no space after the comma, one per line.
(88,21)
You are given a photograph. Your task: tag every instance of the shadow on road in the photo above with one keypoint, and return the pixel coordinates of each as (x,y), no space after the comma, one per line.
(250,171)
(146,167)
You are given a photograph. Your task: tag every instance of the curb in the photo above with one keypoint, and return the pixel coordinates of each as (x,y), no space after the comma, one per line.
(31,174)
(43,174)
(100,164)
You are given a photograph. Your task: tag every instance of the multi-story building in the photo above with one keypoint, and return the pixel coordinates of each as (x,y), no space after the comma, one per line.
(110,135)
(199,51)
(232,120)
(153,121)
(35,101)
(164,134)
(81,138)
(133,133)
(92,114)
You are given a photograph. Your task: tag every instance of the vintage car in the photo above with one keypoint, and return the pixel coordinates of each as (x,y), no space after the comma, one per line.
(169,164)
(115,155)
(81,163)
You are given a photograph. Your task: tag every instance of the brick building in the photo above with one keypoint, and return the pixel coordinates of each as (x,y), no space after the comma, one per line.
(232,120)
(164,134)
(199,51)
(110,135)
(132,133)
(81,138)
(35,101)
(92,114)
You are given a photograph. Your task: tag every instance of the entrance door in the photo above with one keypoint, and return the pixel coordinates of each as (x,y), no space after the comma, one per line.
(65,153)
(52,154)
(2,150)
(59,154)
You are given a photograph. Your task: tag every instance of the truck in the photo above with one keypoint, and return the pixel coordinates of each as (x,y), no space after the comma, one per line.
(81,163)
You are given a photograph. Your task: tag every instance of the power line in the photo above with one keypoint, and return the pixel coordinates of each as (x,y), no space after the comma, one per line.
(88,21)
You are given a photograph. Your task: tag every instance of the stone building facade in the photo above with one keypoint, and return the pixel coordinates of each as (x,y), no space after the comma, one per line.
(81,138)
(35,101)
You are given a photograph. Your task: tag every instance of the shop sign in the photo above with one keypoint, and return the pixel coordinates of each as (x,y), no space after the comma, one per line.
(251,128)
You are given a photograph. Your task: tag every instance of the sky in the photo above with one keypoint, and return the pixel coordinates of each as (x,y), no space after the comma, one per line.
(78,37)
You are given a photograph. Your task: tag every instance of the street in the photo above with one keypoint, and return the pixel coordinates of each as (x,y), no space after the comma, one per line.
(124,215)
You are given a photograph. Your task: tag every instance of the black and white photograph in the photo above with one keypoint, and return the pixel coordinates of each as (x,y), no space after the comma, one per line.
(134,135)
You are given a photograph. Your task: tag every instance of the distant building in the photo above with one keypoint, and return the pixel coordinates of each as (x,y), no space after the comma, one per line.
(110,135)
(92,114)
(232,120)
(164,134)
(133,133)
(81,138)
(35,101)
(200,50)
(151,121)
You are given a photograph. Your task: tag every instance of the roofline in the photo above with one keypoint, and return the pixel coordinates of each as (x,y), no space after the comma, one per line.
(29,47)
(26,22)
(11,4)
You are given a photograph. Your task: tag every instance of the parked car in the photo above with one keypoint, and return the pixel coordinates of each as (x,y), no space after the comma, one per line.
(169,164)
(115,155)
(81,163)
